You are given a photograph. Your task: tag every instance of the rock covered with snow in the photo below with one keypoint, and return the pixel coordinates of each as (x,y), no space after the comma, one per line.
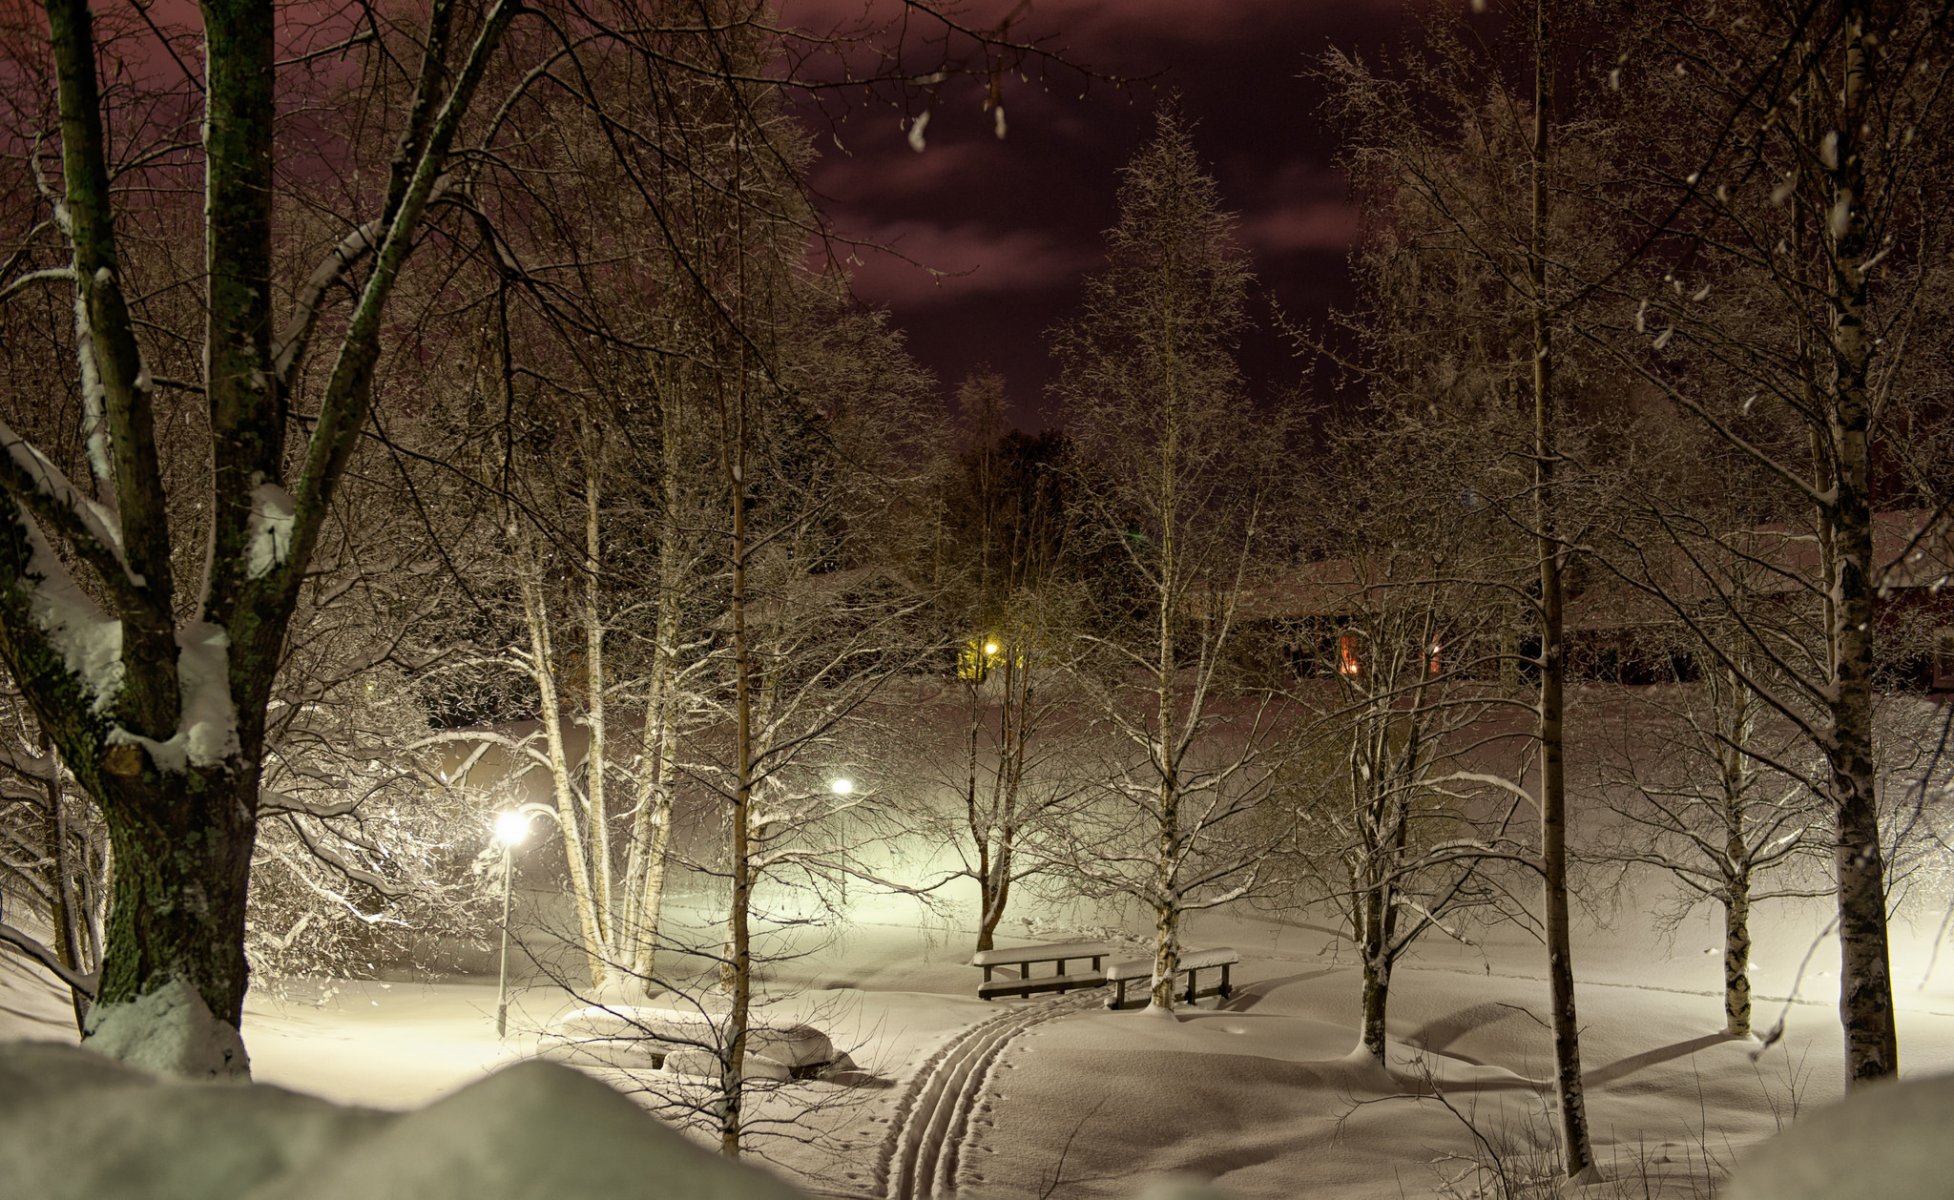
(685,1041)
(1883,1143)
(73,1124)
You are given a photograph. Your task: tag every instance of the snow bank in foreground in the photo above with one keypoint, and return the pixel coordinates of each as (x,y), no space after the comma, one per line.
(73,1125)
(1887,1142)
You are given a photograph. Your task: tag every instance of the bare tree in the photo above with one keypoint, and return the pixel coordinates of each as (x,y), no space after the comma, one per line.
(1176,478)
(1013,618)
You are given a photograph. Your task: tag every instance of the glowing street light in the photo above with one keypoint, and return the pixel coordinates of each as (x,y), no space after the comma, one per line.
(511,829)
(841,786)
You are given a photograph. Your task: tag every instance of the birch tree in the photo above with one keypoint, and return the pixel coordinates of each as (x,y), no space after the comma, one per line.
(1177,478)
(1799,152)
(1460,143)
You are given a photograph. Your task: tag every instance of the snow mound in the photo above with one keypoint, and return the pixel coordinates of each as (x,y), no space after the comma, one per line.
(74,1125)
(1886,1142)
(171,1031)
(536,1130)
(619,1035)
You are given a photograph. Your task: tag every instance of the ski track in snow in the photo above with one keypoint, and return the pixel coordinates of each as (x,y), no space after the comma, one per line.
(920,1154)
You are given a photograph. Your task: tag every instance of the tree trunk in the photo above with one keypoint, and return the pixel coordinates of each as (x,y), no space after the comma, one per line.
(651,830)
(597,755)
(739,947)
(1736,958)
(1577,1157)
(1865,981)
(182,844)
(1166,953)
(590,920)
(1377,999)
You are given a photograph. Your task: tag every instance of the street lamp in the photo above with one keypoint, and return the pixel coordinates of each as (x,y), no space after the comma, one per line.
(510,829)
(841,785)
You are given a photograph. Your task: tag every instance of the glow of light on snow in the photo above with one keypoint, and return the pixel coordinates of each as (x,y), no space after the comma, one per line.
(916,127)
(269,529)
(997,121)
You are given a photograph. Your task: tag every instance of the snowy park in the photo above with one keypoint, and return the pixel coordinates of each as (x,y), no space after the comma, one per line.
(927,599)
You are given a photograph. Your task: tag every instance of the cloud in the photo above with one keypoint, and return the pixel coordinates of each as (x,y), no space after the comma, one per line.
(913,263)
(1307,226)
(885,167)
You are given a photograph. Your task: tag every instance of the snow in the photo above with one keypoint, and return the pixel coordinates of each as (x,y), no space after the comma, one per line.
(1190,960)
(269,529)
(169,1030)
(206,732)
(73,1125)
(1007,956)
(611,1032)
(1889,1142)
(90,641)
(1257,1096)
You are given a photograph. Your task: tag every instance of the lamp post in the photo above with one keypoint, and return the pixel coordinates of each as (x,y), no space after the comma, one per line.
(510,829)
(841,785)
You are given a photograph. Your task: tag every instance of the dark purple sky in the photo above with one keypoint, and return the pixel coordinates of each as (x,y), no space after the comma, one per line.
(1019,221)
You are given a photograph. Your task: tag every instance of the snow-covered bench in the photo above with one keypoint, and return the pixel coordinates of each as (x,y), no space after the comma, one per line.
(1192,963)
(1026,957)
(687,1042)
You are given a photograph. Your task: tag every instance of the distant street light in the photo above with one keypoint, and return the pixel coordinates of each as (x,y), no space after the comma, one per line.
(511,828)
(841,785)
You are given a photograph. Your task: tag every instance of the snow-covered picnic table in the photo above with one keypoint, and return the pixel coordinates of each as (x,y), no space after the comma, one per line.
(1026,957)
(1192,963)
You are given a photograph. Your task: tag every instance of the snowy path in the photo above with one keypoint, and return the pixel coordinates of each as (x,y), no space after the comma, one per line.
(932,1120)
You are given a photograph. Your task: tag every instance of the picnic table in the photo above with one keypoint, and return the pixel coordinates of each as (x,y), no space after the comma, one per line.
(1024,958)
(1192,963)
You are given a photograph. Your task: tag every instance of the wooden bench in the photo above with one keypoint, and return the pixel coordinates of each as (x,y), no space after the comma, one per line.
(1192,963)
(1025,957)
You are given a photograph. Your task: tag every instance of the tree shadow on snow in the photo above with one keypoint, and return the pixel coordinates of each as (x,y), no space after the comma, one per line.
(1249,995)
(1621,1068)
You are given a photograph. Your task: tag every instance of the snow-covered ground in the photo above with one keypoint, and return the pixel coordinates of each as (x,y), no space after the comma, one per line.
(1259,1094)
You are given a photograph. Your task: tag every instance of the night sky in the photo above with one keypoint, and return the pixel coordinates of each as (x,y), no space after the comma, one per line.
(1019,221)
